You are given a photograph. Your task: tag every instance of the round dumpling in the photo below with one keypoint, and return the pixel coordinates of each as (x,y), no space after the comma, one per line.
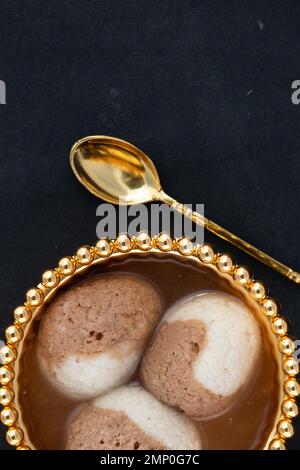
(203,354)
(92,336)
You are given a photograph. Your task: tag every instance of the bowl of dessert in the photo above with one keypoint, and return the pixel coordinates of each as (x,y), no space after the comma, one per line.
(148,343)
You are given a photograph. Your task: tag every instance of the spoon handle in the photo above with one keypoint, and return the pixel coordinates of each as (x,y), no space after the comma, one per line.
(231,238)
(253,251)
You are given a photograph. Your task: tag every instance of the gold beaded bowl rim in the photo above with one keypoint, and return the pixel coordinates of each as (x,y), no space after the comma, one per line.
(123,246)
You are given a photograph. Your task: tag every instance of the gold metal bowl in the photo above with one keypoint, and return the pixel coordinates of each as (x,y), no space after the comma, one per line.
(123,246)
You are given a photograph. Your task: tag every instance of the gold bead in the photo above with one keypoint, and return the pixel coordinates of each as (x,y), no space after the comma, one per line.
(185,246)
(290,408)
(8,416)
(224,263)
(6,395)
(6,375)
(103,247)
(34,297)
(13,334)
(84,255)
(123,243)
(285,428)
(66,266)
(164,242)
(279,326)
(286,345)
(270,308)
(8,354)
(50,279)
(291,366)
(144,241)
(277,444)
(23,448)
(22,315)
(14,436)
(241,276)
(257,290)
(292,387)
(206,253)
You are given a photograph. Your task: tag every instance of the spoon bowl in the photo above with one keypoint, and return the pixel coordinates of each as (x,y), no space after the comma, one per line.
(115,170)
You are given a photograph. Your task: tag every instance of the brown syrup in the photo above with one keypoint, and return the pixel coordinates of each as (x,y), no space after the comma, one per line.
(45,411)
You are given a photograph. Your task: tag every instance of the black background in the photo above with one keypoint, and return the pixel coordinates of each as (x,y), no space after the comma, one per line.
(203,87)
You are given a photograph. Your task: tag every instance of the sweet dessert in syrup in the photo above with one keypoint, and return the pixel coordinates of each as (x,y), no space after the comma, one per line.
(93,335)
(130,418)
(148,337)
(203,354)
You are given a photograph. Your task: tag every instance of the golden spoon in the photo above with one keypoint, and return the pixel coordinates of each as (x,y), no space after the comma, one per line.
(115,170)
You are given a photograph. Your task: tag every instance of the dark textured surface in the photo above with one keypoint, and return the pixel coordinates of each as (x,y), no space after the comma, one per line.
(201,85)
